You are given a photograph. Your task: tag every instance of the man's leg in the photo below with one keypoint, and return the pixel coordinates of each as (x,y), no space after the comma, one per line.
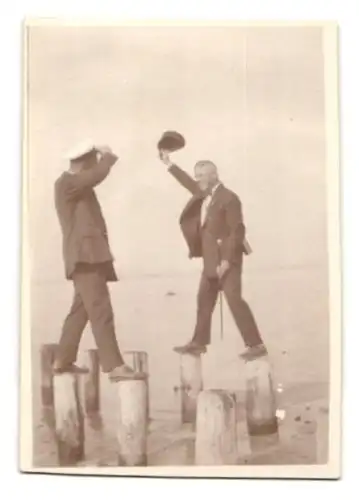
(72,330)
(206,301)
(92,286)
(242,314)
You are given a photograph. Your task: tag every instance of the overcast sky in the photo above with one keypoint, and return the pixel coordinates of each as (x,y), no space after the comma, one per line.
(250,99)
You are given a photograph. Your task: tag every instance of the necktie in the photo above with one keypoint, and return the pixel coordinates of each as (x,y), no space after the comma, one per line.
(205,204)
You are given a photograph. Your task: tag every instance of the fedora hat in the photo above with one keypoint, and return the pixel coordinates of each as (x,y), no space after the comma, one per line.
(171,141)
(81,149)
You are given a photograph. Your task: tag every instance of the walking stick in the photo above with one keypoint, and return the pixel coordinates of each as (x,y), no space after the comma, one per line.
(221,311)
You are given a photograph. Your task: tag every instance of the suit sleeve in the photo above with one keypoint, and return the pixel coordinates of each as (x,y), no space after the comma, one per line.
(92,177)
(236,230)
(183,178)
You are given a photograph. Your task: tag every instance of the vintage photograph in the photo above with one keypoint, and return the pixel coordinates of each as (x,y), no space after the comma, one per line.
(181,250)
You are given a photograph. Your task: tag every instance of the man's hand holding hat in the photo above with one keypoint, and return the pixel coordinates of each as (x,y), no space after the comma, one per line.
(103,149)
(107,156)
(165,157)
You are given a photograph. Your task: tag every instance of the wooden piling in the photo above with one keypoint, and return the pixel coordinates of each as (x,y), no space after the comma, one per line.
(191,385)
(216,430)
(132,422)
(69,420)
(47,358)
(92,382)
(138,361)
(260,398)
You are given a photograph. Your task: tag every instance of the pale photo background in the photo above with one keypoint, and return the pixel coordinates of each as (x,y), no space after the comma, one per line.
(251,100)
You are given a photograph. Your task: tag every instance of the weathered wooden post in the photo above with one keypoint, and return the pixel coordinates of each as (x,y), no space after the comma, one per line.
(47,355)
(191,385)
(132,422)
(92,382)
(260,398)
(138,361)
(216,429)
(69,420)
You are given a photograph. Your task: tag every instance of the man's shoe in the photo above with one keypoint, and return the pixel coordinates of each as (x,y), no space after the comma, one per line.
(72,368)
(191,348)
(254,352)
(124,372)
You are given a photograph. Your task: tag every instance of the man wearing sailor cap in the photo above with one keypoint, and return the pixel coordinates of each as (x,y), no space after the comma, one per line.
(88,261)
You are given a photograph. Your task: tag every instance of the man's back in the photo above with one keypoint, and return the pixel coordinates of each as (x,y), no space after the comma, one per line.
(83,227)
(81,214)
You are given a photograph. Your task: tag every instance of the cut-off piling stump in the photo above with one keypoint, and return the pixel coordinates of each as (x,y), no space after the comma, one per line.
(132,422)
(191,385)
(322,437)
(91,382)
(69,420)
(138,361)
(47,356)
(216,429)
(260,399)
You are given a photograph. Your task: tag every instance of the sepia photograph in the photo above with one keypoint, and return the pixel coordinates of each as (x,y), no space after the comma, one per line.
(181,281)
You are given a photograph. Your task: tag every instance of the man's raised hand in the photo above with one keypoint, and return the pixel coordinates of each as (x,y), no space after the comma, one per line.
(103,149)
(165,157)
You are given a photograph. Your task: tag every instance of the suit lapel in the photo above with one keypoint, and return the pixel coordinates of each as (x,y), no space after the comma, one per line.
(196,199)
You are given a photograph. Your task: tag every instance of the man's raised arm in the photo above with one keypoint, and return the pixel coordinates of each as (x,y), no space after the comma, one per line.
(94,175)
(180,175)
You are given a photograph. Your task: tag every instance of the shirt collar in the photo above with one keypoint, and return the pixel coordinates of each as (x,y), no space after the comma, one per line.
(214,189)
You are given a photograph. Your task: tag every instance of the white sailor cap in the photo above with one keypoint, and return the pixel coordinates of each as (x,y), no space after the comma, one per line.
(80,149)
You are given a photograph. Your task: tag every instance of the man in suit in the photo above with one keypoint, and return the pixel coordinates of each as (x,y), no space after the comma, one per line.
(88,261)
(212,225)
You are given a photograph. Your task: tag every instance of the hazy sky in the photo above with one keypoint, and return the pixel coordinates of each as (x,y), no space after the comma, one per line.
(250,99)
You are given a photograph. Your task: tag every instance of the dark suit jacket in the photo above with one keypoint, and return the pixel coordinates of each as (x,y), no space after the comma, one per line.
(83,227)
(222,237)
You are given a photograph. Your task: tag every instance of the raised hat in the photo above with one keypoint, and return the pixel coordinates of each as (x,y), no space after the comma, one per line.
(171,141)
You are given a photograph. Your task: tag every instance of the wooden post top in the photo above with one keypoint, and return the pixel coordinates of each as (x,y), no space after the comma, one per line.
(225,396)
(191,354)
(136,352)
